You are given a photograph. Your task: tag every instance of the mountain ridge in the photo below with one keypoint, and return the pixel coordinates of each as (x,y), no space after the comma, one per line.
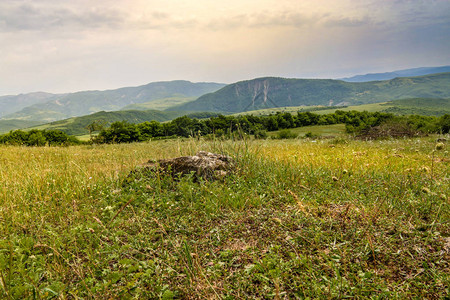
(61,106)
(398,73)
(267,92)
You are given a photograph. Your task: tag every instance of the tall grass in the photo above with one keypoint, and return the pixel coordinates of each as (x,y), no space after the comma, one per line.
(297,218)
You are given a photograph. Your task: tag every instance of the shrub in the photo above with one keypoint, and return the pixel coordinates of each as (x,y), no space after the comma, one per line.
(286,134)
(260,134)
(311,135)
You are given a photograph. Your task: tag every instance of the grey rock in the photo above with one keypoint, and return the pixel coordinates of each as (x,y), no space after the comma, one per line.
(206,165)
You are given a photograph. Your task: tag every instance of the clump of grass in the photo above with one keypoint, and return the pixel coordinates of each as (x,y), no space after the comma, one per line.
(280,226)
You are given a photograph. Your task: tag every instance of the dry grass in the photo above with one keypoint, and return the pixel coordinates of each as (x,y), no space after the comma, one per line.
(325,219)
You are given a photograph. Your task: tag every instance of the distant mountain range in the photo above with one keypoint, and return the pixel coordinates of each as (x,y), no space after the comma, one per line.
(279,92)
(50,107)
(180,96)
(398,73)
(14,103)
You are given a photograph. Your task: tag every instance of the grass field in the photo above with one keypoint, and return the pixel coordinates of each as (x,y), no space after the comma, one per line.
(319,130)
(298,219)
(321,110)
(373,107)
(159,104)
(274,110)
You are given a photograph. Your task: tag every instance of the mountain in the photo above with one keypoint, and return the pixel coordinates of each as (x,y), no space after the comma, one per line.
(398,73)
(278,92)
(10,104)
(87,102)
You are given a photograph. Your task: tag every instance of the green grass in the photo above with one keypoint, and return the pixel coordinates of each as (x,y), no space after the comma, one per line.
(298,219)
(159,104)
(318,130)
(374,107)
(289,109)
(418,106)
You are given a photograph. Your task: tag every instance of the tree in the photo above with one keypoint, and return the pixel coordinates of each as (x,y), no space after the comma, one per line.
(97,125)
(121,132)
(35,138)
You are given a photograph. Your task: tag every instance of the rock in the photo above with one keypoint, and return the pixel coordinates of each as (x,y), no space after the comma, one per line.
(206,165)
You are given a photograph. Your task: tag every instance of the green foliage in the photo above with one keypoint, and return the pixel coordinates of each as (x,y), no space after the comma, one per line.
(261,134)
(286,134)
(311,135)
(238,126)
(444,123)
(38,138)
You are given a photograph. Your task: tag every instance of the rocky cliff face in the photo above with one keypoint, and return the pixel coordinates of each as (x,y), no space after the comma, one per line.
(271,92)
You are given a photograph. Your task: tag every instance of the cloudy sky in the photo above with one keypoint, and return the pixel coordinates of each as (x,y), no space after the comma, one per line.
(71,45)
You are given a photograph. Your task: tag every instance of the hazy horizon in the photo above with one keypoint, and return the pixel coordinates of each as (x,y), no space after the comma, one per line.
(63,47)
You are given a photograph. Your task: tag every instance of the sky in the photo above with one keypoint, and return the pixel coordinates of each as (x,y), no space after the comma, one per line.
(63,46)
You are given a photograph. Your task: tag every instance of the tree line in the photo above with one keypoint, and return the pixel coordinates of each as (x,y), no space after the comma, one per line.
(38,138)
(226,126)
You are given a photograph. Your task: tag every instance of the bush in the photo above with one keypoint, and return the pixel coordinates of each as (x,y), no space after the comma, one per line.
(38,138)
(286,134)
(311,135)
(444,123)
(260,134)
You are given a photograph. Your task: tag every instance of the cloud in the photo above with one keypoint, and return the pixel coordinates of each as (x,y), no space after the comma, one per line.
(74,45)
(27,16)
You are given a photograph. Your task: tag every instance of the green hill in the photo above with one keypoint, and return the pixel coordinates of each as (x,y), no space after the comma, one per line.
(418,106)
(414,106)
(8,125)
(280,92)
(77,125)
(159,104)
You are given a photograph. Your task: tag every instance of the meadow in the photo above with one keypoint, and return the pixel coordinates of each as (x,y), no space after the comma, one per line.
(329,218)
